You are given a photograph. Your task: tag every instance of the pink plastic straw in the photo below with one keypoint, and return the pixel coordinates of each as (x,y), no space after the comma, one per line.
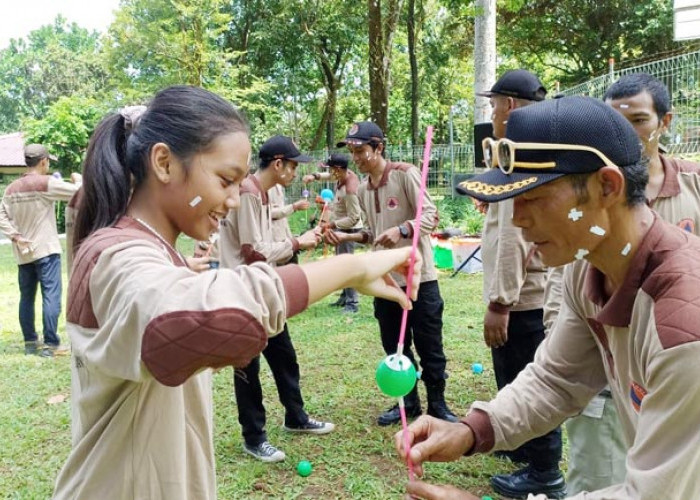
(409,280)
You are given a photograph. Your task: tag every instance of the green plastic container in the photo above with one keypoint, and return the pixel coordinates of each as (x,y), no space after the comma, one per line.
(443,257)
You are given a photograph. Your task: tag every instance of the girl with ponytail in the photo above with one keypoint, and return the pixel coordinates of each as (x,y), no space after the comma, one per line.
(145,329)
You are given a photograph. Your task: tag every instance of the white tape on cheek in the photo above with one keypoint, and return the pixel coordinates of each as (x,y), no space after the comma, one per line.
(627,249)
(575,215)
(597,230)
(195,201)
(624,106)
(582,252)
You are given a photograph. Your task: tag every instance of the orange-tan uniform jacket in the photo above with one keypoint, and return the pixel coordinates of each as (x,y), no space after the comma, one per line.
(514,276)
(246,232)
(346,212)
(394,202)
(644,342)
(28,210)
(144,328)
(279,211)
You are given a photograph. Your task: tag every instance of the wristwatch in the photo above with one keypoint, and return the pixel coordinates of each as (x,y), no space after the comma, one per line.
(403,230)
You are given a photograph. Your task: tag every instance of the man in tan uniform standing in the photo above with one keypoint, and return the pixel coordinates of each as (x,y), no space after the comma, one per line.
(246,237)
(514,281)
(28,218)
(389,198)
(629,312)
(597,449)
(346,215)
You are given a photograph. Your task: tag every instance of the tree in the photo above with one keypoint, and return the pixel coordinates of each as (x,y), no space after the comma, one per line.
(381,27)
(57,60)
(583,34)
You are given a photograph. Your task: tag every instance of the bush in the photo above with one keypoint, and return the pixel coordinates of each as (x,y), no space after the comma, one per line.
(460,213)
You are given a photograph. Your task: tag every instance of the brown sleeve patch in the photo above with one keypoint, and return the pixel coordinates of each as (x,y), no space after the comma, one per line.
(29,184)
(296,288)
(674,290)
(480,425)
(352,183)
(78,302)
(250,255)
(178,344)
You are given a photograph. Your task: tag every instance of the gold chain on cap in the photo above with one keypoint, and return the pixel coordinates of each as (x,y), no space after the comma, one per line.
(489,189)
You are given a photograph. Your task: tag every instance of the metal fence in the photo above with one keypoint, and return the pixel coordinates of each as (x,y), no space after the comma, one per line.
(681,74)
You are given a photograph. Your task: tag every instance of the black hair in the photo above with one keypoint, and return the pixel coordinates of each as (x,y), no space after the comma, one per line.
(33,162)
(636,179)
(187,119)
(265,162)
(636,83)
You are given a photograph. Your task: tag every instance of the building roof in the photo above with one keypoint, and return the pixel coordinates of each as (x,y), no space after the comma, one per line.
(11,152)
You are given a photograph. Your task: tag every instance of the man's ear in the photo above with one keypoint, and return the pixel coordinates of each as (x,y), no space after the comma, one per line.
(612,185)
(161,157)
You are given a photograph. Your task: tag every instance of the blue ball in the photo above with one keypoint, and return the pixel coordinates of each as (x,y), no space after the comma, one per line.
(327,194)
(477,368)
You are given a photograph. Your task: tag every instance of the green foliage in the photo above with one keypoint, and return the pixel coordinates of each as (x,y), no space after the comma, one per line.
(65,130)
(460,213)
(58,60)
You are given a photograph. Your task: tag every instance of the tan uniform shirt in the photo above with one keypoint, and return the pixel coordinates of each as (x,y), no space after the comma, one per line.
(28,210)
(346,212)
(513,275)
(279,211)
(144,328)
(643,342)
(246,232)
(394,202)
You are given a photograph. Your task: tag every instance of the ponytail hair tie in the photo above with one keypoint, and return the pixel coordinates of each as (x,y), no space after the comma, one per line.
(131,115)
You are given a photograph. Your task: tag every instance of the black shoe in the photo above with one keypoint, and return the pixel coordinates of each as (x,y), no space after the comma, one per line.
(439,409)
(515,456)
(350,308)
(31,348)
(311,427)
(393,416)
(527,481)
(338,303)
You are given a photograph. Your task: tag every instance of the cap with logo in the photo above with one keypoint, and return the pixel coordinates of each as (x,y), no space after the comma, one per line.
(34,151)
(281,147)
(362,133)
(571,135)
(336,160)
(518,83)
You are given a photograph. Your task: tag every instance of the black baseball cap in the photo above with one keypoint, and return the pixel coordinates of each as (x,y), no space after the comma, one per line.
(336,160)
(576,121)
(282,147)
(362,133)
(34,151)
(518,83)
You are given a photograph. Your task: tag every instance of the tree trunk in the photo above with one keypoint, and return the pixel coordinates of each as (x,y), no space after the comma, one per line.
(378,95)
(484,57)
(411,28)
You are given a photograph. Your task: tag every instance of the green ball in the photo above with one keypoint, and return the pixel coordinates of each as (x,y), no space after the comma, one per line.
(304,468)
(396,375)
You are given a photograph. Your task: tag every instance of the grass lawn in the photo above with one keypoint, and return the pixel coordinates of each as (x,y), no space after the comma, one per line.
(337,354)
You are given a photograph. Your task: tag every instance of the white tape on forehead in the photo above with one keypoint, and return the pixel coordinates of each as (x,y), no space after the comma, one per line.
(597,230)
(575,215)
(627,249)
(195,201)
(582,252)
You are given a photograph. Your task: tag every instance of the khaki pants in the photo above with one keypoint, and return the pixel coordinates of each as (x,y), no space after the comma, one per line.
(597,450)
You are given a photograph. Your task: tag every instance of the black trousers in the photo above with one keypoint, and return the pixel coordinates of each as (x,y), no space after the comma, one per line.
(282,358)
(525,333)
(423,330)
